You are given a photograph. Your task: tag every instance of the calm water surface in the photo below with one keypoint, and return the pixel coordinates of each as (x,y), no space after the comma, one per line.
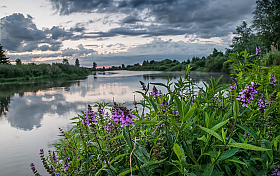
(32,112)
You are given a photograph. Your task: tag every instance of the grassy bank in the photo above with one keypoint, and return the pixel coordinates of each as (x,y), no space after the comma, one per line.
(41,71)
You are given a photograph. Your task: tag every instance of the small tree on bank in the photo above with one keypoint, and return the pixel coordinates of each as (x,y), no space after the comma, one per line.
(94,65)
(65,61)
(18,62)
(77,63)
(3,58)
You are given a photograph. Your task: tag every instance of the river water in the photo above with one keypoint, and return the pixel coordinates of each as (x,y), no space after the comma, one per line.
(32,112)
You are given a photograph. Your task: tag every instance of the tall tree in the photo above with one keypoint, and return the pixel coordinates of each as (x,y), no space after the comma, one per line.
(244,39)
(267,21)
(18,62)
(3,58)
(65,61)
(94,65)
(77,63)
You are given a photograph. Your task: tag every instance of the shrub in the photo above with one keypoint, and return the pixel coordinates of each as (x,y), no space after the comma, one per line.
(219,130)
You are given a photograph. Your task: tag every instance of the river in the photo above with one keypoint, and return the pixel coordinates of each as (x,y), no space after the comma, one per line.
(32,112)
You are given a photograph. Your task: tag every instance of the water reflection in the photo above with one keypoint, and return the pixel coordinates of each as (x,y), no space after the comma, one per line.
(31,112)
(25,104)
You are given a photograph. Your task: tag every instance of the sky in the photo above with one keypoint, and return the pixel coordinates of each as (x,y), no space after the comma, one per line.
(115,32)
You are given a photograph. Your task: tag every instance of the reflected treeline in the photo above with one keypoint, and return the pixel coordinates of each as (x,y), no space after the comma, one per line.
(206,76)
(196,76)
(164,75)
(7,91)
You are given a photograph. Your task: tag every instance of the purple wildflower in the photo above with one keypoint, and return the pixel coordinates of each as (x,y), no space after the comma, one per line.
(100,110)
(262,103)
(57,174)
(42,151)
(228,122)
(276,171)
(272,79)
(55,160)
(175,112)
(143,86)
(122,115)
(258,50)
(188,97)
(155,91)
(247,94)
(89,117)
(107,162)
(216,97)
(32,165)
(66,166)
(233,87)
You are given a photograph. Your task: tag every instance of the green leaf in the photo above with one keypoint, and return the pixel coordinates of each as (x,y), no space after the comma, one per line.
(99,171)
(248,146)
(275,141)
(177,151)
(268,111)
(236,109)
(153,104)
(207,120)
(126,136)
(173,172)
(179,107)
(229,153)
(213,133)
(219,125)
(203,138)
(236,160)
(151,163)
(117,137)
(248,130)
(140,156)
(118,157)
(208,170)
(190,113)
(127,171)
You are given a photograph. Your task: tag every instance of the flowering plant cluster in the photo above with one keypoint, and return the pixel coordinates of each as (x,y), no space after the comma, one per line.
(247,95)
(184,131)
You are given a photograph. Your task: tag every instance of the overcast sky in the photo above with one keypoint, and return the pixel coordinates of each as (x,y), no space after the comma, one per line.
(115,32)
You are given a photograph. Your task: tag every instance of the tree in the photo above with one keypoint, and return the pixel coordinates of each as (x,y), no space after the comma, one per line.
(77,63)
(18,62)
(3,58)
(123,66)
(94,65)
(267,21)
(244,39)
(65,61)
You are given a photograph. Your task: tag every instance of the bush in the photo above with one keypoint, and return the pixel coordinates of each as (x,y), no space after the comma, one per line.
(271,58)
(220,130)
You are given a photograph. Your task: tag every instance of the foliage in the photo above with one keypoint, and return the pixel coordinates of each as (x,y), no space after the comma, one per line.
(29,71)
(213,62)
(77,63)
(267,21)
(3,58)
(219,130)
(65,62)
(94,65)
(271,58)
(18,62)
(244,39)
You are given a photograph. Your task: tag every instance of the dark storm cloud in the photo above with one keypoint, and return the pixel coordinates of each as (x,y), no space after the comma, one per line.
(20,34)
(204,18)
